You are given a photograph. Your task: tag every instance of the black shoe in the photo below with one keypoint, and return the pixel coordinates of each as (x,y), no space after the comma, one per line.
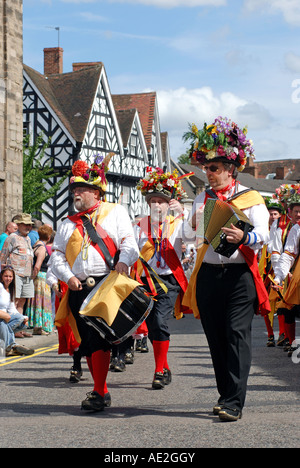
(286,344)
(217,408)
(75,375)
(144,346)
(93,402)
(107,400)
(113,362)
(291,350)
(120,366)
(167,376)
(280,340)
(158,381)
(138,345)
(271,342)
(229,414)
(129,358)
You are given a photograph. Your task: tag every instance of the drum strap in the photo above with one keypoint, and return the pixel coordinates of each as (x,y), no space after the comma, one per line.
(99,241)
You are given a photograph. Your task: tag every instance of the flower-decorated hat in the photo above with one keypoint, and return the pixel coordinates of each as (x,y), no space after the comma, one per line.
(288,194)
(164,184)
(273,203)
(221,141)
(93,176)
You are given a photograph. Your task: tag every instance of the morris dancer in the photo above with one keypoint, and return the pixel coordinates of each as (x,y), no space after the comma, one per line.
(225,292)
(75,258)
(288,267)
(276,210)
(159,237)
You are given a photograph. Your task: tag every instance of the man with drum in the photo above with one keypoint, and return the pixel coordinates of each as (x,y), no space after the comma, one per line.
(80,263)
(159,237)
(225,292)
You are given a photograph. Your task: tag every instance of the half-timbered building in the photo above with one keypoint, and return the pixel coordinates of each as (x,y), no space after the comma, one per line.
(81,117)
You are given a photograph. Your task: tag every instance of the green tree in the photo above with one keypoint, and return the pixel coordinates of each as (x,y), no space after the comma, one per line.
(36,175)
(184,159)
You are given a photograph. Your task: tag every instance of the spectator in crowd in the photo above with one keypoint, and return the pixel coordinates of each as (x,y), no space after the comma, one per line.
(10,318)
(33,234)
(9,228)
(39,308)
(17,252)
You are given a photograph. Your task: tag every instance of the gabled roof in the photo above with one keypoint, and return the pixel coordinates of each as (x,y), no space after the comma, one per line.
(145,105)
(70,95)
(125,120)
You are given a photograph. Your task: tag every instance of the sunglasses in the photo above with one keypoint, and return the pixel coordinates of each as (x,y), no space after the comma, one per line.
(212,168)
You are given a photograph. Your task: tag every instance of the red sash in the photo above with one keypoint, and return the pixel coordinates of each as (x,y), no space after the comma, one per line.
(264,307)
(105,237)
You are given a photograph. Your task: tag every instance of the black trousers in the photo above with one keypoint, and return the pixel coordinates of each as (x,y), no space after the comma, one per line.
(157,320)
(91,340)
(226,299)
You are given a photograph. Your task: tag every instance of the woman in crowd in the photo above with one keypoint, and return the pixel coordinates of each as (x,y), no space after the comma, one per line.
(39,308)
(10,319)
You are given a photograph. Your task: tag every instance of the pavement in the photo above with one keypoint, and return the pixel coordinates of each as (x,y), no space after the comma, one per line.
(38,341)
(41,408)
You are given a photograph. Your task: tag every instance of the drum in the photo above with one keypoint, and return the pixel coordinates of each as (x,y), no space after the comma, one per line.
(116,307)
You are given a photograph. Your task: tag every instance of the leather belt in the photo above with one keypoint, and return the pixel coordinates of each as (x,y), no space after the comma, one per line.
(91,281)
(224,265)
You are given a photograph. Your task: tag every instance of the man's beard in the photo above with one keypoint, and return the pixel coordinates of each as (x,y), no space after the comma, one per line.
(80,205)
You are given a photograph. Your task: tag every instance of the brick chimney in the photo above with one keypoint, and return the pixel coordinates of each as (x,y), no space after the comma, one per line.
(281,172)
(79,65)
(53,61)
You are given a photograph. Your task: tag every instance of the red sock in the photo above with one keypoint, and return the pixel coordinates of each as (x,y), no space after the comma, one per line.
(291,331)
(160,349)
(90,366)
(100,364)
(281,324)
(268,325)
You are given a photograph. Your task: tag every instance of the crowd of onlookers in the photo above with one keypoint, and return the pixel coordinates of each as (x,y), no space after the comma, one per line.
(26,300)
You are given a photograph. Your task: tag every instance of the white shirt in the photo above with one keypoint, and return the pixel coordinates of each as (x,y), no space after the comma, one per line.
(118,226)
(259,218)
(5,302)
(287,258)
(182,233)
(275,246)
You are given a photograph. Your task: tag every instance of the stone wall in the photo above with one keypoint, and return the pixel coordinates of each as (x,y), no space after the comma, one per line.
(11,115)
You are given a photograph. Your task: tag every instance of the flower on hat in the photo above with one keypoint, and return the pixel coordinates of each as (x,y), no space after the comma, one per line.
(160,182)
(222,139)
(272,202)
(288,193)
(94,175)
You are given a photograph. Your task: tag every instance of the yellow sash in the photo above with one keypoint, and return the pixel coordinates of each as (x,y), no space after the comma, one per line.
(246,200)
(148,248)
(292,294)
(73,249)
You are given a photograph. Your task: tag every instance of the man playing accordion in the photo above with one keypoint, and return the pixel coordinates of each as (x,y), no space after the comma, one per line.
(226,291)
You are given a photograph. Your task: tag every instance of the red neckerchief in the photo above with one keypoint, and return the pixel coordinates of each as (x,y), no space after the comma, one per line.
(76,218)
(105,237)
(220,193)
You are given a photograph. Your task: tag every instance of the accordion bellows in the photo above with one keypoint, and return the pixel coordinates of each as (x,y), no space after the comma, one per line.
(218,214)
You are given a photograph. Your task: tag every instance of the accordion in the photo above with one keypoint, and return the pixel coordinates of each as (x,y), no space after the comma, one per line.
(218,214)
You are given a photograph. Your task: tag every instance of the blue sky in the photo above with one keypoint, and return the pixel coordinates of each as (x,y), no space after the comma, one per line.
(204,58)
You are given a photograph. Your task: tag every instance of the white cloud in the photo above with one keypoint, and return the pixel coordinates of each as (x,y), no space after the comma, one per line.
(292,62)
(89,16)
(181,106)
(290,9)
